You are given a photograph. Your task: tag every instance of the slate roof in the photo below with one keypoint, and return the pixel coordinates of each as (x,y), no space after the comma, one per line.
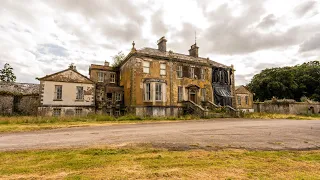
(166,55)
(19,88)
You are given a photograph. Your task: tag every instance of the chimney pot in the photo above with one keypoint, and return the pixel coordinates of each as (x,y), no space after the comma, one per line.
(162,44)
(106,63)
(194,50)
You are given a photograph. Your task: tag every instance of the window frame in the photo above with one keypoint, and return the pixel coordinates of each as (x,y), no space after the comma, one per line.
(54,112)
(180,93)
(192,72)
(163,70)
(79,96)
(77,111)
(118,97)
(203,94)
(57,93)
(179,71)
(158,92)
(239,100)
(147,92)
(247,100)
(100,76)
(112,77)
(146,67)
(202,74)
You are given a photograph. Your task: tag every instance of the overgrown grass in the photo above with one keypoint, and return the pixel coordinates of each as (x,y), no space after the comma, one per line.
(149,163)
(281,116)
(29,123)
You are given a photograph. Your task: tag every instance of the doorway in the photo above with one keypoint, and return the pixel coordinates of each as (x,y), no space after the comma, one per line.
(193,95)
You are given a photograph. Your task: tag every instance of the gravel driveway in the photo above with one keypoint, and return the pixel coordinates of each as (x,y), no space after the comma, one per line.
(235,133)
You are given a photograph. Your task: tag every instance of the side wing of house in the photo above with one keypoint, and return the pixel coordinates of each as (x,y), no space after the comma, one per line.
(244,99)
(66,93)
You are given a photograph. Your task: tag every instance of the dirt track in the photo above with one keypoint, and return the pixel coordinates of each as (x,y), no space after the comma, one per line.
(236,133)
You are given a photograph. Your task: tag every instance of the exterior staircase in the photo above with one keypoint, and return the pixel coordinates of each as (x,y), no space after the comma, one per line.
(208,109)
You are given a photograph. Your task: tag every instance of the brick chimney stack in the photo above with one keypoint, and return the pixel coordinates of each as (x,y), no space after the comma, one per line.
(162,44)
(194,51)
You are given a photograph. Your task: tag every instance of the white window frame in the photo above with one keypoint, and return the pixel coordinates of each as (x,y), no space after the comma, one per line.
(58,92)
(158,91)
(192,72)
(146,67)
(179,72)
(202,73)
(112,77)
(100,76)
(147,92)
(163,68)
(79,93)
(118,97)
(180,93)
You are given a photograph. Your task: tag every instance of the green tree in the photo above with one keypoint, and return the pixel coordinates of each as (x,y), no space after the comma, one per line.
(6,74)
(117,59)
(288,82)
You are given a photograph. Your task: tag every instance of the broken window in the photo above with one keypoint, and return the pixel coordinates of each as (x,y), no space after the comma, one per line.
(147,92)
(78,112)
(179,71)
(158,91)
(112,77)
(162,69)
(146,66)
(56,112)
(118,96)
(58,92)
(180,93)
(100,77)
(79,93)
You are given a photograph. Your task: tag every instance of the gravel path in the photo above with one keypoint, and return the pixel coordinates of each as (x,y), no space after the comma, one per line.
(236,133)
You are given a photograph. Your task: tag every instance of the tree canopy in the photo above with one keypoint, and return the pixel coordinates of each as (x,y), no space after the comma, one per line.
(288,82)
(6,74)
(117,59)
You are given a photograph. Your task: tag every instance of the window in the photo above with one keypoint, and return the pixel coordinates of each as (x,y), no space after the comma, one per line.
(179,72)
(162,69)
(146,67)
(56,112)
(247,100)
(203,94)
(79,93)
(158,91)
(78,112)
(58,92)
(239,100)
(147,94)
(109,96)
(100,77)
(191,72)
(117,113)
(180,93)
(202,73)
(112,77)
(118,96)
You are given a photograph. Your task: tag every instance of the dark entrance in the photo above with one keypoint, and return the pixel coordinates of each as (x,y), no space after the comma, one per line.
(193,97)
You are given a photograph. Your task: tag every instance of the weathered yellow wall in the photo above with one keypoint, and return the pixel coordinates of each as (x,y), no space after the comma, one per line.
(243,101)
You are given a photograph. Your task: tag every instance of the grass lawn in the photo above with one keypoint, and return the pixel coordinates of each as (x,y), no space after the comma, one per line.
(150,163)
(281,116)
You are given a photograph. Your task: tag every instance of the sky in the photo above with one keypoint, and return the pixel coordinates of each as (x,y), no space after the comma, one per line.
(38,38)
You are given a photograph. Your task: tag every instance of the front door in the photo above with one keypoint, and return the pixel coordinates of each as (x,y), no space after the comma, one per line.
(192,96)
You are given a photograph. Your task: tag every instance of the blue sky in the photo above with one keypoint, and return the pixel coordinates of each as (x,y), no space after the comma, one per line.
(42,37)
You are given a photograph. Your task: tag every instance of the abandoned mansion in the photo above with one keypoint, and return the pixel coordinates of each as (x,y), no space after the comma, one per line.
(148,82)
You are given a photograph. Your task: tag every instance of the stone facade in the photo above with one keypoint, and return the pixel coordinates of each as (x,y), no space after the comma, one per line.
(19,98)
(157,82)
(66,93)
(109,93)
(244,99)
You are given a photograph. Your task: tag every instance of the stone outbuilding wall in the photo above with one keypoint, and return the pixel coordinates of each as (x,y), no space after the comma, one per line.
(288,107)
(19,98)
